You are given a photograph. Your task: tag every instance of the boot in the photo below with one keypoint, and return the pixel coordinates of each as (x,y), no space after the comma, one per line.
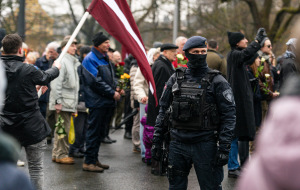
(66,160)
(91,168)
(102,165)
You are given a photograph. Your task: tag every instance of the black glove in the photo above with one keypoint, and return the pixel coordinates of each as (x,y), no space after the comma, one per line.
(221,158)
(156,151)
(261,35)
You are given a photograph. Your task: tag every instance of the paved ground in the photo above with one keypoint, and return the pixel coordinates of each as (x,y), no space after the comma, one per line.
(127,171)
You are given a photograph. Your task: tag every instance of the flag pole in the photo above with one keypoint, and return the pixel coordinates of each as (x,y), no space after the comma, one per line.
(77,29)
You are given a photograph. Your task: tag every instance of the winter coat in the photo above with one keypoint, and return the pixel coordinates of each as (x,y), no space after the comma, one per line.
(257,97)
(21,116)
(162,70)
(133,97)
(140,85)
(99,90)
(64,89)
(275,164)
(216,61)
(44,64)
(238,79)
(288,68)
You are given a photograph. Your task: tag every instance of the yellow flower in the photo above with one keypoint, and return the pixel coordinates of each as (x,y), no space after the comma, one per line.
(263,60)
(180,56)
(122,77)
(267,75)
(126,75)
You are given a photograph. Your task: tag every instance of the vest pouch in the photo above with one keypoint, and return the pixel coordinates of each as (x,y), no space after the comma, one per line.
(175,110)
(185,111)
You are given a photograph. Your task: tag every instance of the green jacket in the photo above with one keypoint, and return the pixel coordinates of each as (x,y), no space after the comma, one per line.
(216,61)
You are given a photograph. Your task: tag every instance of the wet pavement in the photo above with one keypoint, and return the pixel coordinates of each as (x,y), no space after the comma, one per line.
(127,172)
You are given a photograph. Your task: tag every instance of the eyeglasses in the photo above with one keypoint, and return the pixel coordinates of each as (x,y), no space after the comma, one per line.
(269,46)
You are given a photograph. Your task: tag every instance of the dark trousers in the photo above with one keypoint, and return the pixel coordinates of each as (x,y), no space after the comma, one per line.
(118,112)
(243,151)
(98,121)
(80,124)
(202,155)
(127,111)
(50,117)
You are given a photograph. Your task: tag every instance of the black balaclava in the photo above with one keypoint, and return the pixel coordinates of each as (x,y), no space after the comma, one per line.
(196,61)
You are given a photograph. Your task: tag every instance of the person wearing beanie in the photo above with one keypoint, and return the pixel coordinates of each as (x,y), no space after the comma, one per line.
(63,100)
(202,108)
(237,77)
(101,94)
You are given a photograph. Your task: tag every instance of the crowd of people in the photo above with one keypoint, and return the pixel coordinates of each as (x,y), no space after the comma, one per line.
(94,88)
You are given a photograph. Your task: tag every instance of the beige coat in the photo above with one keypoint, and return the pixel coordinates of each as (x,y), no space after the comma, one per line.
(140,85)
(64,89)
(133,95)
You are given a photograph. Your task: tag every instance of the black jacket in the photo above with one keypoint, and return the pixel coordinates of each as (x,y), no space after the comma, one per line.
(44,64)
(239,81)
(99,91)
(216,93)
(257,97)
(21,116)
(288,68)
(162,70)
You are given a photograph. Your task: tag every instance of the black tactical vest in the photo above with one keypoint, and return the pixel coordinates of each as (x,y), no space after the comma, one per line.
(190,109)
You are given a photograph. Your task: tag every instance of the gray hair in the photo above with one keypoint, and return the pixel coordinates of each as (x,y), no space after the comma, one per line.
(52,45)
(179,39)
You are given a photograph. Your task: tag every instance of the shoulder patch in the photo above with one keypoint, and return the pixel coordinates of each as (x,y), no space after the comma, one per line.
(228,95)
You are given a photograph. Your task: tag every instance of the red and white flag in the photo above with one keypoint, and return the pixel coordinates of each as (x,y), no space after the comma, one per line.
(116,18)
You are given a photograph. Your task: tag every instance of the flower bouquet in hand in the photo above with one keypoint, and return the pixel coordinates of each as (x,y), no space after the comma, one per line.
(119,69)
(181,61)
(123,81)
(60,127)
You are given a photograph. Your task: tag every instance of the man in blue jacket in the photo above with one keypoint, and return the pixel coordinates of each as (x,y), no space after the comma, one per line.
(97,76)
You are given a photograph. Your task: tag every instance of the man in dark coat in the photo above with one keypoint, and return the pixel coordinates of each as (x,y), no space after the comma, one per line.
(21,117)
(44,63)
(288,66)
(243,95)
(162,70)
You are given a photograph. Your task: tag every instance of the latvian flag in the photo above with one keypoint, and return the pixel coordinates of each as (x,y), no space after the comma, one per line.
(116,18)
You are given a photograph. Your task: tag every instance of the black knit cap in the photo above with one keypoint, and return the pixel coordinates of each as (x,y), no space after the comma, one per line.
(99,38)
(234,38)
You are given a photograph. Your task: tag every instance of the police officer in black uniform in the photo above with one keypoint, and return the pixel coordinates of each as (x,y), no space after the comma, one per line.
(202,110)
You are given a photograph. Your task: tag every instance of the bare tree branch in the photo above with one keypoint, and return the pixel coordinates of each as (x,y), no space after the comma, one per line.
(148,11)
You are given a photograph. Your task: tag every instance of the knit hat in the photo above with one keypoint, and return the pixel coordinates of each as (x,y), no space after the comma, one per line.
(264,40)
(292,42)
(234,38)
(99,38)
